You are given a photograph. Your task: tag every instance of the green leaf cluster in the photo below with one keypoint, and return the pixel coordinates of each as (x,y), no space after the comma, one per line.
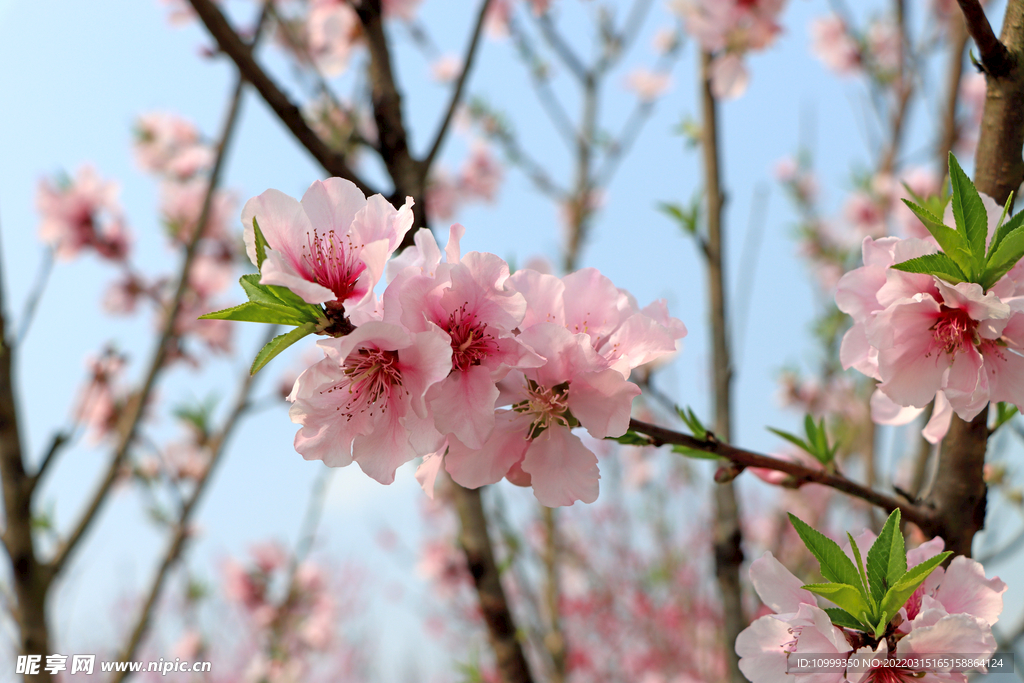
(698,430)
(272,305)
(816,442)
(964,256)
(867,594)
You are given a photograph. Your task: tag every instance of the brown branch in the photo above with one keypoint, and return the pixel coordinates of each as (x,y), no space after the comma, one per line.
(501,627)
(958,495)
(995,56)
(216,448)
(407,174)
(241,54)
(31,578)
(727,533)
(801,474)
(456,98)
(168,336)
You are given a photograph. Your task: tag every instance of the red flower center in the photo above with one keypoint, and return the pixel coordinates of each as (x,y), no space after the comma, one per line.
(333,263)
(370,376)
(954,330)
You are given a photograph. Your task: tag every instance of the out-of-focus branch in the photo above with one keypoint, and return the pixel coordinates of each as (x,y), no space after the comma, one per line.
(562,48)
(456,98)
(240,53)
(727,533)
(501,627)
(995,56)
(407,174)
(182,527)
(168,336)
(957,37)
(554,639)
(29,314)
(31,578)
(541,84)
(581,204)
(59,440)
(918,514)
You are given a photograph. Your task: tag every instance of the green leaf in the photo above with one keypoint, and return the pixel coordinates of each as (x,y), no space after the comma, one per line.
(261,245)
(693,422)
(1004,229)
(694,453)
(1005,257)
(275,314)
(631,438)
(847,597)
(860,569)
(835,565)
(968,210)
(901,591)
(793,439)
(279,344)
(938,265)
(277,296)
(953,244)
(1004,413)
(887,557)
(841,617)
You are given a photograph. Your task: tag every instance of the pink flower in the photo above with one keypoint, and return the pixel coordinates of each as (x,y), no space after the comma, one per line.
(480,175)
(400,9)
(82,213)
(883,44)
(864,213)
(588,302)
(833,45)
(331,246)
(332,28)
(796,625)
(366,401)
(181,203)
(534,437)
(446,69)
(731,28)
(468,300)
(648,85)
(166,143)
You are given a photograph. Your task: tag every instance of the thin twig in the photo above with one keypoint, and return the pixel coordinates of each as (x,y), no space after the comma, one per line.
(59,440)
(800,473)
(541,84)
(1011,547)
(241,53)
(561,48)
(456,98)
(168,335)
(182,531)
(32,303)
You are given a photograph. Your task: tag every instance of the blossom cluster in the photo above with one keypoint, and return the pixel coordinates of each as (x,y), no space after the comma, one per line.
(482,372)
(952,611)
(729,29)
(924,339)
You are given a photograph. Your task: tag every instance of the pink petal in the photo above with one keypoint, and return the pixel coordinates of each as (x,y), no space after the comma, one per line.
(602,402)
(760,647)
(426,473)
(886,412)
(463,404)
(278,271)
(562,470)
(386,448)
(487,465)
(729,77)
(942,417)
(964,589)
(332,204)
(777,587)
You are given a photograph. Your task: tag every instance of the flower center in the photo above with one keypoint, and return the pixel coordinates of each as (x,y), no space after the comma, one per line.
(890,674)
(547,406)
(471,343)
(954,330)
(333,263)
(370,376)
